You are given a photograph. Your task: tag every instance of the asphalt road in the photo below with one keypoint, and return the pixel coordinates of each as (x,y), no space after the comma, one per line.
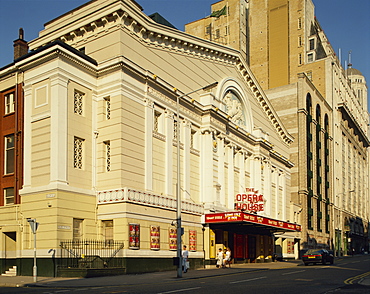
(341,277)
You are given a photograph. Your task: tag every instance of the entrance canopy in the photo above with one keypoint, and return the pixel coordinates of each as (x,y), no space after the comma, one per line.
(243,218)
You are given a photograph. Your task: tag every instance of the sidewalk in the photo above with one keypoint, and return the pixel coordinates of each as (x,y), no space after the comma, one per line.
(210,271)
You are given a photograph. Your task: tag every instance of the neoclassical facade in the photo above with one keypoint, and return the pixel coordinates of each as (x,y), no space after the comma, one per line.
(101,123)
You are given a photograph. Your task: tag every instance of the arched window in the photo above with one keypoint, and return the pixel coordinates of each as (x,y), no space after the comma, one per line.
(318,168)
(309,160)
(326,172)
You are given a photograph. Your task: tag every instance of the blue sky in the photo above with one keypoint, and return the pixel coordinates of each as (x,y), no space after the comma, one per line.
(345,22)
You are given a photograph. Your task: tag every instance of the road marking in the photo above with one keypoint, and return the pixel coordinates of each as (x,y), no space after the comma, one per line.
(242,281)
(293,273)
(351,280)
(180,290)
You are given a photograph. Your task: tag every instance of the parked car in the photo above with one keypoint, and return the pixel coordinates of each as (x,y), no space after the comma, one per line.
(317,256)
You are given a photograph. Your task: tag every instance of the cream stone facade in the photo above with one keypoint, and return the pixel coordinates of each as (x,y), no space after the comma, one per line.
(323,106)
(100,124)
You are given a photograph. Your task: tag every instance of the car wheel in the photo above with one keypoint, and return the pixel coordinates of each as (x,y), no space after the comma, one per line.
(306,263)
(323,261)
(332,261)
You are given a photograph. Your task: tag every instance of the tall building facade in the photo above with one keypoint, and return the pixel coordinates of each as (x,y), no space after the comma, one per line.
(110,97)
(323,106)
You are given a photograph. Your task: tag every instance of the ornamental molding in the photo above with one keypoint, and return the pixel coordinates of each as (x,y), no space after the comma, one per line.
(119,15)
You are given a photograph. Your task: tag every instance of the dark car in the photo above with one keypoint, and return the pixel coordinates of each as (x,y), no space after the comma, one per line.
(317,256)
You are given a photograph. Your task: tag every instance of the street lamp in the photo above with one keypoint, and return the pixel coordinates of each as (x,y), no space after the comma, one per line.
(178,186)
(34,225)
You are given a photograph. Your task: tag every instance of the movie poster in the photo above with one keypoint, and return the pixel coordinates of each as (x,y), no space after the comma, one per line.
(173,238)
(192,240)
(154,237)
(134,236)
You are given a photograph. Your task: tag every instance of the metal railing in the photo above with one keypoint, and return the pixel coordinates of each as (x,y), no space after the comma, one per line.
(91,254)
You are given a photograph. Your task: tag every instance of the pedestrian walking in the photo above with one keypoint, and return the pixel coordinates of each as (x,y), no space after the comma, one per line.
(185,259)
(227,259)
(220,258)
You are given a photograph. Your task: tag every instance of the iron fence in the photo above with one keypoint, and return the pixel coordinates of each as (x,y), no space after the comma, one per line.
(91,254)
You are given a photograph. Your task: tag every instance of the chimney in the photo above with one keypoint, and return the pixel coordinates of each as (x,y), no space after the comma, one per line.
(20,45)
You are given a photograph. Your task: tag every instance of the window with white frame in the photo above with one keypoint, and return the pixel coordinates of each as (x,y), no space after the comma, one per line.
(194,139)
(158,120)
(77,229)
(9,103)
(9,154)
(78,153)
(78,102)
(9,196)
(108,231)
(311,44)
(107,156)
(176,130)
(107,107)
(310,57)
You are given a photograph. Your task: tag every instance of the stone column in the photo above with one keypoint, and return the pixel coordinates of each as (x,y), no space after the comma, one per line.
(58,129)
(186,138)
(267,190)
(168,131)
(206,169)
(230,176)
(221,169)
(149,123)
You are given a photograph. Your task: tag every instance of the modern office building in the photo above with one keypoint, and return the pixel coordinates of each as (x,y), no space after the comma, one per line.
(323,106)
(110,98)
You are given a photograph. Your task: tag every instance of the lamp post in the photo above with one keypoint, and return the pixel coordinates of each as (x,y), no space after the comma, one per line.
(178,172)
(34,225)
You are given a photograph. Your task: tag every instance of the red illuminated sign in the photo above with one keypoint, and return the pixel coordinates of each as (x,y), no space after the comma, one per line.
(230,217)
(250,201)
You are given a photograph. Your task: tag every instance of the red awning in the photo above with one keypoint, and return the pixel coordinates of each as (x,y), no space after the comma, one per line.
(242,217)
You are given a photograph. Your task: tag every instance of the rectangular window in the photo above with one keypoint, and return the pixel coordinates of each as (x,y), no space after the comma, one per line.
(299,23)
(78,102)
(157,116)
(175,129)
(78,152)
(208,30)
(107,155)
(9,154)
(107,108)
(108,232)
(312,44)
(9,103)
(299,41)
(8,196)
(300,59)
(77,229)
(217,33)
(310,57)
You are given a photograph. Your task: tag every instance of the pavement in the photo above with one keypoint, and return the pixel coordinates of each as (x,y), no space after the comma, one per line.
(209,271)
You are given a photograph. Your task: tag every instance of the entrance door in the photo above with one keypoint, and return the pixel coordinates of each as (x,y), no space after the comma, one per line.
(10,245)
(238,246)
(252,248)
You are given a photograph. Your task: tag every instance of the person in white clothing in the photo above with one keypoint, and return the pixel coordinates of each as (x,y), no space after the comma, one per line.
(227,259)
(220,258)
(185,257)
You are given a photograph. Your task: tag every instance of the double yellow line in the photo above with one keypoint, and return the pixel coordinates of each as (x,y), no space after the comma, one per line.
(351,280)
